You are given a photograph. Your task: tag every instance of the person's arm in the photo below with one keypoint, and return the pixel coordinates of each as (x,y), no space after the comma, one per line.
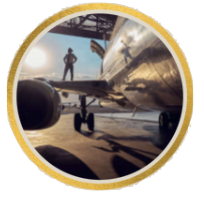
(74,58)
(65,59)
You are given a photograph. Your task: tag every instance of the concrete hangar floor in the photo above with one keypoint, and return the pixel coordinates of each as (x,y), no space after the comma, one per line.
(117,147)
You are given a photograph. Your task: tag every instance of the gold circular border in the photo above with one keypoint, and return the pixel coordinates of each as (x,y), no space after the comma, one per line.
(89,7)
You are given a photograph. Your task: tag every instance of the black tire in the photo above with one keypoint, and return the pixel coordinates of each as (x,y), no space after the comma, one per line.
(164,120)
(90,121)
(77,122)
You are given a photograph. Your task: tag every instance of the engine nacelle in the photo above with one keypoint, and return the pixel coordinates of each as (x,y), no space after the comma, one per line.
(39,105)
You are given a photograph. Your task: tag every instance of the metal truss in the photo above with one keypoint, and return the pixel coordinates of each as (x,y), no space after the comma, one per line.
(96,26)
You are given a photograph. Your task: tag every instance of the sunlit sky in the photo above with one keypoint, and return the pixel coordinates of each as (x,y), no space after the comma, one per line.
(54,47)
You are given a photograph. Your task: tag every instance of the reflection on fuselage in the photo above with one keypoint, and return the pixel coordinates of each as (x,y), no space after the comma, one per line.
(138,65)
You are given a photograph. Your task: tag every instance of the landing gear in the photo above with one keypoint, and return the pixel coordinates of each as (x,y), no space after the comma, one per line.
(167,118)
(90,121)
(77,122)
(82,118)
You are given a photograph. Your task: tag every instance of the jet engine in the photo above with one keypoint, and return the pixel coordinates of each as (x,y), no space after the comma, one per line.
(38,103)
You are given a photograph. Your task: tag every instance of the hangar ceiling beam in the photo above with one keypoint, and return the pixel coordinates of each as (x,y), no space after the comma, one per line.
(89,26)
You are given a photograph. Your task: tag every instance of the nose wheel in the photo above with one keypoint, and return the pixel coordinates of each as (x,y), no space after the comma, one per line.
(83,118)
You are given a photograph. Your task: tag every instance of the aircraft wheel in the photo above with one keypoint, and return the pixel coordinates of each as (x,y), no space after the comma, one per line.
(164,120)
(77,122)
(90,121)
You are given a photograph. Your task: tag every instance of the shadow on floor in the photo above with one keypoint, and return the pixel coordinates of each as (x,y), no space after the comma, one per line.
(117,147)
(162,137)
(159,138)
(122,166)
(101,135)
(65,161)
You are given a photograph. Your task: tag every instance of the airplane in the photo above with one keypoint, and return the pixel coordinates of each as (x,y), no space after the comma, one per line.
(138,73)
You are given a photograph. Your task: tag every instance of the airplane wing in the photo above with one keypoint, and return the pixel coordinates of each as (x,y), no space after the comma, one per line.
(92,88)
(93,109)
(98,109)
(98,89)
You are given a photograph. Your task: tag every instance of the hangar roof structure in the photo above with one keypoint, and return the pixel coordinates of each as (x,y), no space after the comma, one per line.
(95,26)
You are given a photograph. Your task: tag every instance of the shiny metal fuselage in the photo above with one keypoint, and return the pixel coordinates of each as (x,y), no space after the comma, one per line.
(139,66)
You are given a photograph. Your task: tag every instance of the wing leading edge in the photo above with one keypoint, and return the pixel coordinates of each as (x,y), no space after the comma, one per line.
(92,88)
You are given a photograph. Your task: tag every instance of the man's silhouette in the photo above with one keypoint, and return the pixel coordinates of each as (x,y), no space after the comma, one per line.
(69,60)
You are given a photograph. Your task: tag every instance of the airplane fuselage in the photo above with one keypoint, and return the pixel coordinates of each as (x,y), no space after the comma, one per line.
(138,65)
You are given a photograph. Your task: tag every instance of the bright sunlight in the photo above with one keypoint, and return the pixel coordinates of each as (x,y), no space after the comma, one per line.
(36,58)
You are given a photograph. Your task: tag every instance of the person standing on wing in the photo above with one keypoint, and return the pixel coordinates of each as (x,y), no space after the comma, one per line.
(69,60)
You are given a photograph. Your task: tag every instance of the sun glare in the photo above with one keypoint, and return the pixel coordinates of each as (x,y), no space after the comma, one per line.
(36,58)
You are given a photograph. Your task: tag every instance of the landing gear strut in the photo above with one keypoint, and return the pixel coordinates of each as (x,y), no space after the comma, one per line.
(167,118)
(82,118)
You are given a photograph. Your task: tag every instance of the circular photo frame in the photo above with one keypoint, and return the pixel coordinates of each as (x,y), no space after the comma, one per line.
(99,96)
